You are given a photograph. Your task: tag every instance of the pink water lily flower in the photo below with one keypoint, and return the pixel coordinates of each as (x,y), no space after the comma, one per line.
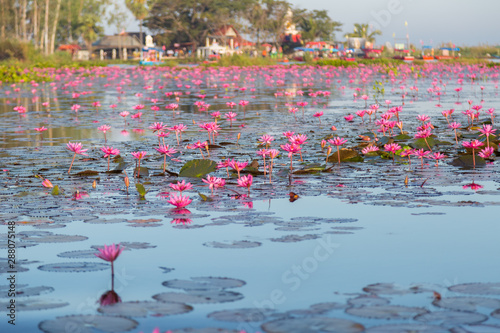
(179,201)
(110,253)
(108,151)
(246,181)
(139,155)
(76,148)
(181,186)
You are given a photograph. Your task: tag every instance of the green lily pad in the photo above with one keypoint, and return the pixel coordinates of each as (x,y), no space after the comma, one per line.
(143,171)
(385,140)
(468,161)
(402,137)
(420,143)
(88,324)
(55,190)
(119,168)
(140,188)
(87,173)
(197,168)
(345,155)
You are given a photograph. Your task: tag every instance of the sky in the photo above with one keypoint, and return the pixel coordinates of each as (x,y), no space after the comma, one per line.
(430,22)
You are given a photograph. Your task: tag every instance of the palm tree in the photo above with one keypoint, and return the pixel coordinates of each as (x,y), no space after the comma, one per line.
(361,31)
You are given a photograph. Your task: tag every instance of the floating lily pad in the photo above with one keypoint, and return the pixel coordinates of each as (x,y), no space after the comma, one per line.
(87,324)
(34,305)
(420,143)
(476,329)
(143,309)
(55,238)
(386,311)
(197,168)
(74,267)
(242,315)
(407,328)
(346,155)
(294,238)
(233,244)
(311,325)
(468,161)
(449,318)
(368,300)
(477,288)
(87,173)
(467,303)
(205,297)
(143,171)
(24,291)
(79,254)
(204,283)
(204,330)
(393,289)
(317,309)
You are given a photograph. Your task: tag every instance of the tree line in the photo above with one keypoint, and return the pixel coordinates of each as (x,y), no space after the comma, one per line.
(47,23)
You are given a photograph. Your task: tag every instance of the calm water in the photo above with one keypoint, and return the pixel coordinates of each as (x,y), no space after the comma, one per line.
(353,226)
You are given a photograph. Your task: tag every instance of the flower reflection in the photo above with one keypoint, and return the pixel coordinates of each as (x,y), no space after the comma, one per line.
(473,186)
(163,195)
(181,221)
(80,195)
(138,130)
(181,211)
(109,297)
(124,133)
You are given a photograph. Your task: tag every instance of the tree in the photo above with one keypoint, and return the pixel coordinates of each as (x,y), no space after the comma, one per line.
(192,20)
(139,10)
(316,25)
(361,31)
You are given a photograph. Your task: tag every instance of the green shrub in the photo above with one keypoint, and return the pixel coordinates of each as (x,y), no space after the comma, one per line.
(13,50)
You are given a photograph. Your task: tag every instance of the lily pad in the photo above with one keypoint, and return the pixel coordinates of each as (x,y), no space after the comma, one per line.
(143,171)
(34,305)
(242,315)
(407,328)
(368,300)
(393,289)
(477,288)
(233,244)
(467,303)
(386,311)
(74,267)
(87,324)
(312,325)
(317,309)
(420,143)
(204,330)
(476,329)
(143,309)
(468,161)
(206,297)
(454,318)
(79,254)
(87,173)
(346,155)
(23,291)
(197,168)
(294,238)
(204,283)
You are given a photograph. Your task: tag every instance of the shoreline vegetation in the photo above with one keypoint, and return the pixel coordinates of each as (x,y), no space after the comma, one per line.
(20,62)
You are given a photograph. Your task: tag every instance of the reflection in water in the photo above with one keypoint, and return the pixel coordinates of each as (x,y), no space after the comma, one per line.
(181,221)
(473,186)
(109,297)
